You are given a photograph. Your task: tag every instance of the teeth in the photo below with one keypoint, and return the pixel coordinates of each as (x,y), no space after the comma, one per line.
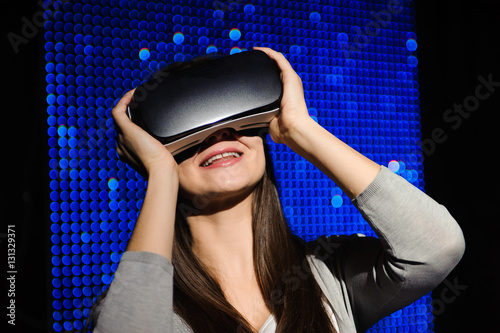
(219,156)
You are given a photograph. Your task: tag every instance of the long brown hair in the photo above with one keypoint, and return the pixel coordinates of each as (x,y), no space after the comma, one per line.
(295,299)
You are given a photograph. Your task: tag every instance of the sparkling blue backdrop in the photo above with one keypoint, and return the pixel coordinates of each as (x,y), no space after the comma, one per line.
(358,64)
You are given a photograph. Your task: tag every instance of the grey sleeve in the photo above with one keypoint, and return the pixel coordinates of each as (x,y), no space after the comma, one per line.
(140,296)
(418,244)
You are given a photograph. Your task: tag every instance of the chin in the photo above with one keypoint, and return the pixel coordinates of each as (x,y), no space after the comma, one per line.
(224,184)
(228,187)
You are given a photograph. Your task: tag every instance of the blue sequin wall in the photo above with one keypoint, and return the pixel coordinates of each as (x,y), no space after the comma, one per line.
(358,64)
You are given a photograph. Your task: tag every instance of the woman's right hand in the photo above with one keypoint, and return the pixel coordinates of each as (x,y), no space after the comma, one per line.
(154,227)
(135,146)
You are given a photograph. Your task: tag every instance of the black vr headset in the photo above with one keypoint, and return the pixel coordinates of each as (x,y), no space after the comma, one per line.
(182,107)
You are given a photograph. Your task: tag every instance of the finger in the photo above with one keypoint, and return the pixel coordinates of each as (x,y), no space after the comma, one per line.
(120,109)
(125,100)
(279,58)
(119,112)
(291,80)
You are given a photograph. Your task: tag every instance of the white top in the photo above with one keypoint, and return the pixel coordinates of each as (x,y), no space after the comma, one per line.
(270,324)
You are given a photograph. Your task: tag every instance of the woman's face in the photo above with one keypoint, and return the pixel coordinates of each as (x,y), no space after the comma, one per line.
(227,164)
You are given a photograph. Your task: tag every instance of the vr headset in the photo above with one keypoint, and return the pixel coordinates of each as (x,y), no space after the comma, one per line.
(182,106)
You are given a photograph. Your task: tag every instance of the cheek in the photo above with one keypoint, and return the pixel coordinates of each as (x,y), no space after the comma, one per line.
(260,165)
(187,180)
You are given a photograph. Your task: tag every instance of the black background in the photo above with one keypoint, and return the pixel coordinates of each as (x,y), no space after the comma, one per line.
(458,41)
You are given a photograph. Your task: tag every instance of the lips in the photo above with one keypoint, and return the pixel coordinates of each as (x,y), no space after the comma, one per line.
(221,157)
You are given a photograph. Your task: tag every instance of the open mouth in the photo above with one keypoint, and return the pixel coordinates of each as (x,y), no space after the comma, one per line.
(222,157)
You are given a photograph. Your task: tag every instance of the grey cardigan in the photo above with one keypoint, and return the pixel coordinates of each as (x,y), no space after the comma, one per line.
(364,278)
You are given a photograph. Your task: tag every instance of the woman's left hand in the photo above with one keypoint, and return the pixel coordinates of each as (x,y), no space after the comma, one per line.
(293,126)
(293,106)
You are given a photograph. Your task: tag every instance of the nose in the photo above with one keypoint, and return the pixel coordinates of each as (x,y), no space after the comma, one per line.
(222,134)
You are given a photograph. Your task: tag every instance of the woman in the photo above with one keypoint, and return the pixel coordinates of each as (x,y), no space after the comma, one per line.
(231,264)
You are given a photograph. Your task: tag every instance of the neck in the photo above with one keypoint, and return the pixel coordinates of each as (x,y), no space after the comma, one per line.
(223,238)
